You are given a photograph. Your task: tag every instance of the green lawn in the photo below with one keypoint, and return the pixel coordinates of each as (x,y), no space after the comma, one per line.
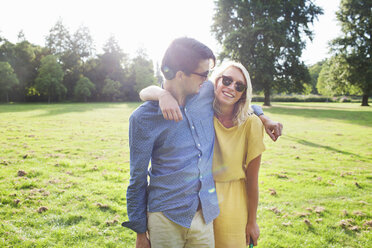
(315,182)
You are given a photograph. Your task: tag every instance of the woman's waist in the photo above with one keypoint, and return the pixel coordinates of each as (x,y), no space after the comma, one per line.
(228,174)
(229,180)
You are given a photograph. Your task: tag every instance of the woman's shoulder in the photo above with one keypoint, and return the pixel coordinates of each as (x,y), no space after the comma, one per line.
(253,123)
(253,120)
(253,129)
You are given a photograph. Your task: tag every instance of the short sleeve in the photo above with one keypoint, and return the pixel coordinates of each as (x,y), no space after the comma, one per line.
(255,134)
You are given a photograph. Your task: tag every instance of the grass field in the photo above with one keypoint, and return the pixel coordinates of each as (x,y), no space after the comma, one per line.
(64,169)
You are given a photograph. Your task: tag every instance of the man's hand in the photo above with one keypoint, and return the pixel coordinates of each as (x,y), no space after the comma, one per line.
(169,107)
(273,128)
(142,241)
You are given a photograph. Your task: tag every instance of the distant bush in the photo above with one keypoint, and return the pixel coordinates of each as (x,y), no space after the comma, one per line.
(295,98)
(310,98)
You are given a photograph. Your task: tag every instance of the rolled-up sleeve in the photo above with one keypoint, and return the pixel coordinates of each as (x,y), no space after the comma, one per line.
(257,110)
(141,145)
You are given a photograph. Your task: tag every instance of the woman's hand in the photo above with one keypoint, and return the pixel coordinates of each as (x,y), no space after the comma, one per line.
(252,230)
(169,107)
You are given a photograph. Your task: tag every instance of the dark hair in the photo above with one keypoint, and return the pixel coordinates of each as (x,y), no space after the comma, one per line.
(184,54)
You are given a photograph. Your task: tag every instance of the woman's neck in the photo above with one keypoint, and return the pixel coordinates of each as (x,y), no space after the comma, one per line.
(226,115)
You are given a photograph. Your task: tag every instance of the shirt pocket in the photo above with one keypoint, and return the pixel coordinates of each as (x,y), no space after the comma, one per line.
(207,129)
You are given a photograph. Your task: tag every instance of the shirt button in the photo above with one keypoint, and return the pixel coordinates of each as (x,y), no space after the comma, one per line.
(199,155)
(185,109)
(192,127)
(199,145)
(201,177)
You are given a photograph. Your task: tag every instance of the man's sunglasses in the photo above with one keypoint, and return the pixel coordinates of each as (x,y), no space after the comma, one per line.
(203,74)
(239,86)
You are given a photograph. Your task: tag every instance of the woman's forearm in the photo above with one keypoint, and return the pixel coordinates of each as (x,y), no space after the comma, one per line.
(152,93)
(252,188)
(252,192)
(167,103)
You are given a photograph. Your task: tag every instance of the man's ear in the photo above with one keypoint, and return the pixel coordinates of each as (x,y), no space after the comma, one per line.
(180,75)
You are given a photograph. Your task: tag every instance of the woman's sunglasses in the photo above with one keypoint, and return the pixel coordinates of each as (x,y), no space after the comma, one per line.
(239,86)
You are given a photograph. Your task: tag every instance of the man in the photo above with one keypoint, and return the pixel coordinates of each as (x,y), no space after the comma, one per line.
(179,203)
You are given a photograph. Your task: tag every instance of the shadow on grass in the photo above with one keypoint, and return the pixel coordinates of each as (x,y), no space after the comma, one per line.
(357,117)
(61,108)
(312,144)
(64,221)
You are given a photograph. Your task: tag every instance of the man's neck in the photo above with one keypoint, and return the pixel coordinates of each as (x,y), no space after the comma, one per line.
(176,91)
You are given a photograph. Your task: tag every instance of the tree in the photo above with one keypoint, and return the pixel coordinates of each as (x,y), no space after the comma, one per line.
(355,46)
(79,50)
(49,78)
(142,71)
(267,37)
(72,51)
(8,79)
(333,78)
(114,60)
(21,36)
(112,64)
(7,52)
(159,76)
(25,59)
(92,70)
(31,92)
(25,67)
(58,40)
(111,89)
(324,81)
(314,71)
(82,43)
(83,89)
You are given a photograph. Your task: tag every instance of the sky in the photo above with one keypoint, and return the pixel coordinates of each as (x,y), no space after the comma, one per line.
(135,24)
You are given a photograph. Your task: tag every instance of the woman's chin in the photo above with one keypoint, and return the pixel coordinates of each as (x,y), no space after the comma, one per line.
(225,102)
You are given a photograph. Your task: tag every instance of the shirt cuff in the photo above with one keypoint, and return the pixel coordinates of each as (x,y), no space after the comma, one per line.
(139,226)
(257,110)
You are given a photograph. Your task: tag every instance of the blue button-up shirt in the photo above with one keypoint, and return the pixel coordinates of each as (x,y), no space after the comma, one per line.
(181,153)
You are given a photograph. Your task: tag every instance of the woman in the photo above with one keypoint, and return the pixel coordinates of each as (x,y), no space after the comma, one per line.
(237,155)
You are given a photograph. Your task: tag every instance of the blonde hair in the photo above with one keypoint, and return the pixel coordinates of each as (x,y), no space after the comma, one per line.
(242,108)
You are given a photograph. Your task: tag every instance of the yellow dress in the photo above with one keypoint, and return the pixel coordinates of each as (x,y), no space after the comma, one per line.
(234,148)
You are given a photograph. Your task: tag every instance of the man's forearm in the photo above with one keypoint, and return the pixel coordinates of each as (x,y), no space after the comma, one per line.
(264,119)
(141,145)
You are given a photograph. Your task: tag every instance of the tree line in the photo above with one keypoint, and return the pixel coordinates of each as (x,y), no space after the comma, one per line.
(66,68)
(266,36)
